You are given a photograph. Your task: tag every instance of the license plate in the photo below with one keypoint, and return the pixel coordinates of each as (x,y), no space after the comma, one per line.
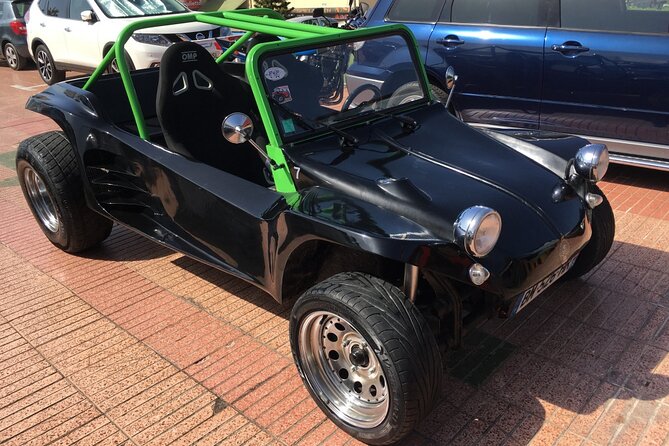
(208,44)
(529,295)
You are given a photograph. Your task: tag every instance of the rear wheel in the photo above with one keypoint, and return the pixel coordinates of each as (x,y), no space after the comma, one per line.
(13,58)
(366,355)
(47,67)
(50,179)
(603,232)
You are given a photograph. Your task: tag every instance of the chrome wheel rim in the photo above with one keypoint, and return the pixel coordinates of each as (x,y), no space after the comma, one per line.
(41,200)
(11,56)
(44,65)
(410,98)
(343,370)
(114,66)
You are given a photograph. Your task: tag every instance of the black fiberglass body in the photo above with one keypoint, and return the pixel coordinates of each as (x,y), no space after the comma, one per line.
(393,198)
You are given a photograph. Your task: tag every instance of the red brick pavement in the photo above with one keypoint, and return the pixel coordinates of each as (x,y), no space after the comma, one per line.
(133,344)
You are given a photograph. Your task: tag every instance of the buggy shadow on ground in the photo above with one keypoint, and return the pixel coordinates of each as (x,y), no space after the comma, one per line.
(132,343)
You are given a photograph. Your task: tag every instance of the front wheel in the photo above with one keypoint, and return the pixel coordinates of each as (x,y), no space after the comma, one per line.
(51,182)
(47,66)
(366,355)
(603,232)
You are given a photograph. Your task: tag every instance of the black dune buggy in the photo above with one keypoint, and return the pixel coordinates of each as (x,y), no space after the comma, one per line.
(390,219)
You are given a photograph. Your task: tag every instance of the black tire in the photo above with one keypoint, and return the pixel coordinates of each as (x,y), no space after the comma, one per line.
(395,335)
(15,61)
(47,163)
(405,93)
(439,94)
(47,67)
(603,232)
(113,68)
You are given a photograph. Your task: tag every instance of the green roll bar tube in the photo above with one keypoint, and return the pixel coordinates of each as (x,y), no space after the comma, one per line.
(252,21)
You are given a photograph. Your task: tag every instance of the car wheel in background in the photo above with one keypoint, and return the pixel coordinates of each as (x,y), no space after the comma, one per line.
(366,355)
(47,67)
(49,175)
(14,60)
(113,66)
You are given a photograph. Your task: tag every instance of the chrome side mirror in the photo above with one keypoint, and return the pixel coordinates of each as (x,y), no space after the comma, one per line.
(450,78)
(237,128)
(88,16)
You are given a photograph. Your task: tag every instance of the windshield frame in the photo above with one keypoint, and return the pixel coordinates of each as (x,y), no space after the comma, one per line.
(269,113)
(102,9)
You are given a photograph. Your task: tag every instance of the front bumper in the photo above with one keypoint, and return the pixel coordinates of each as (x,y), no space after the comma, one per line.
(511,274)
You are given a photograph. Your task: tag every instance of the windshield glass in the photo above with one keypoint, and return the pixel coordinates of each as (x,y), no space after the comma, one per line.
(138,8)
(314,87)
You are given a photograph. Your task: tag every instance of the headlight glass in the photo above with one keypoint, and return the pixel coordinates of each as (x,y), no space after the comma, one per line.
(592,161)
(477,230)
(152,39)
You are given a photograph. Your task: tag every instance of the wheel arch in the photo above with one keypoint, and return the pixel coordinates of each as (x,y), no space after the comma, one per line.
(35,43)
(316,260)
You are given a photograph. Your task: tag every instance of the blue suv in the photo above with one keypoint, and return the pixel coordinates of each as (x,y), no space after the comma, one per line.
(594,68)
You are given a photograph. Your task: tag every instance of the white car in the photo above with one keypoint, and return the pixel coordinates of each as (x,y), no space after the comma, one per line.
(76,34)
(318,21)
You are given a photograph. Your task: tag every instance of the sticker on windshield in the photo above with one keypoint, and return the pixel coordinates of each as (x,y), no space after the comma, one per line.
(288,125)
(275,73)
(282,94)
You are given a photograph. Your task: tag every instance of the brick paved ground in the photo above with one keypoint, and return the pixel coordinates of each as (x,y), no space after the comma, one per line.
(133,344)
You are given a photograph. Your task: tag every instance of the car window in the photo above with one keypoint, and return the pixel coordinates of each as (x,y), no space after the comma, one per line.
(57,8)
(637,16)
(20,8)
(137,8)
(500,12)
(77,7)
(415,11)
(2,10)
(42,4)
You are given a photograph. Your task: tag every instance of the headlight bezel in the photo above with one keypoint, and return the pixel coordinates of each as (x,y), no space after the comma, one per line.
(467,226)
(592,161)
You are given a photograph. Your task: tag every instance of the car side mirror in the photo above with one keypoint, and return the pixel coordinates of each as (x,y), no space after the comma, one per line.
(237,128)
(88,16)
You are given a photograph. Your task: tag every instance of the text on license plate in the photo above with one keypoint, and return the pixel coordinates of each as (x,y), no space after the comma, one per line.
(528,296)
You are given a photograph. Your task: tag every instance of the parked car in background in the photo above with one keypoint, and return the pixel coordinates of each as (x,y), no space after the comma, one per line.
(593,68)
(318,21)
(13,33)
(76,34)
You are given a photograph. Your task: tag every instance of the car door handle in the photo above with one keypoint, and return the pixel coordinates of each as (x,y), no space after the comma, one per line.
(42,24)
(67,28)
(570,48)
(451,41)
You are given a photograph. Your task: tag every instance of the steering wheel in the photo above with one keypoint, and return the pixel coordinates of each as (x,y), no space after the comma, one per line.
(355,93)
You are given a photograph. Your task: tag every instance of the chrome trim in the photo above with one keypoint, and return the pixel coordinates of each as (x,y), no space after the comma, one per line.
(468,223)
(639,162)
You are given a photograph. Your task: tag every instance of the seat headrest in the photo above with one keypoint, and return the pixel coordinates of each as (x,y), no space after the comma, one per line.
(187,65)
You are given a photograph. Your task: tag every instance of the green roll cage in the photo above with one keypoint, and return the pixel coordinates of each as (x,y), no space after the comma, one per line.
(252,21)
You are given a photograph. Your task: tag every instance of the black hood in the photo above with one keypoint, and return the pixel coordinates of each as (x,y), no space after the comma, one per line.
(453,167)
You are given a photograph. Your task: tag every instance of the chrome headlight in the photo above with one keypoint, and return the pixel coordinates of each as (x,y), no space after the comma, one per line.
(152,39)
(477,230)
(592,161)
